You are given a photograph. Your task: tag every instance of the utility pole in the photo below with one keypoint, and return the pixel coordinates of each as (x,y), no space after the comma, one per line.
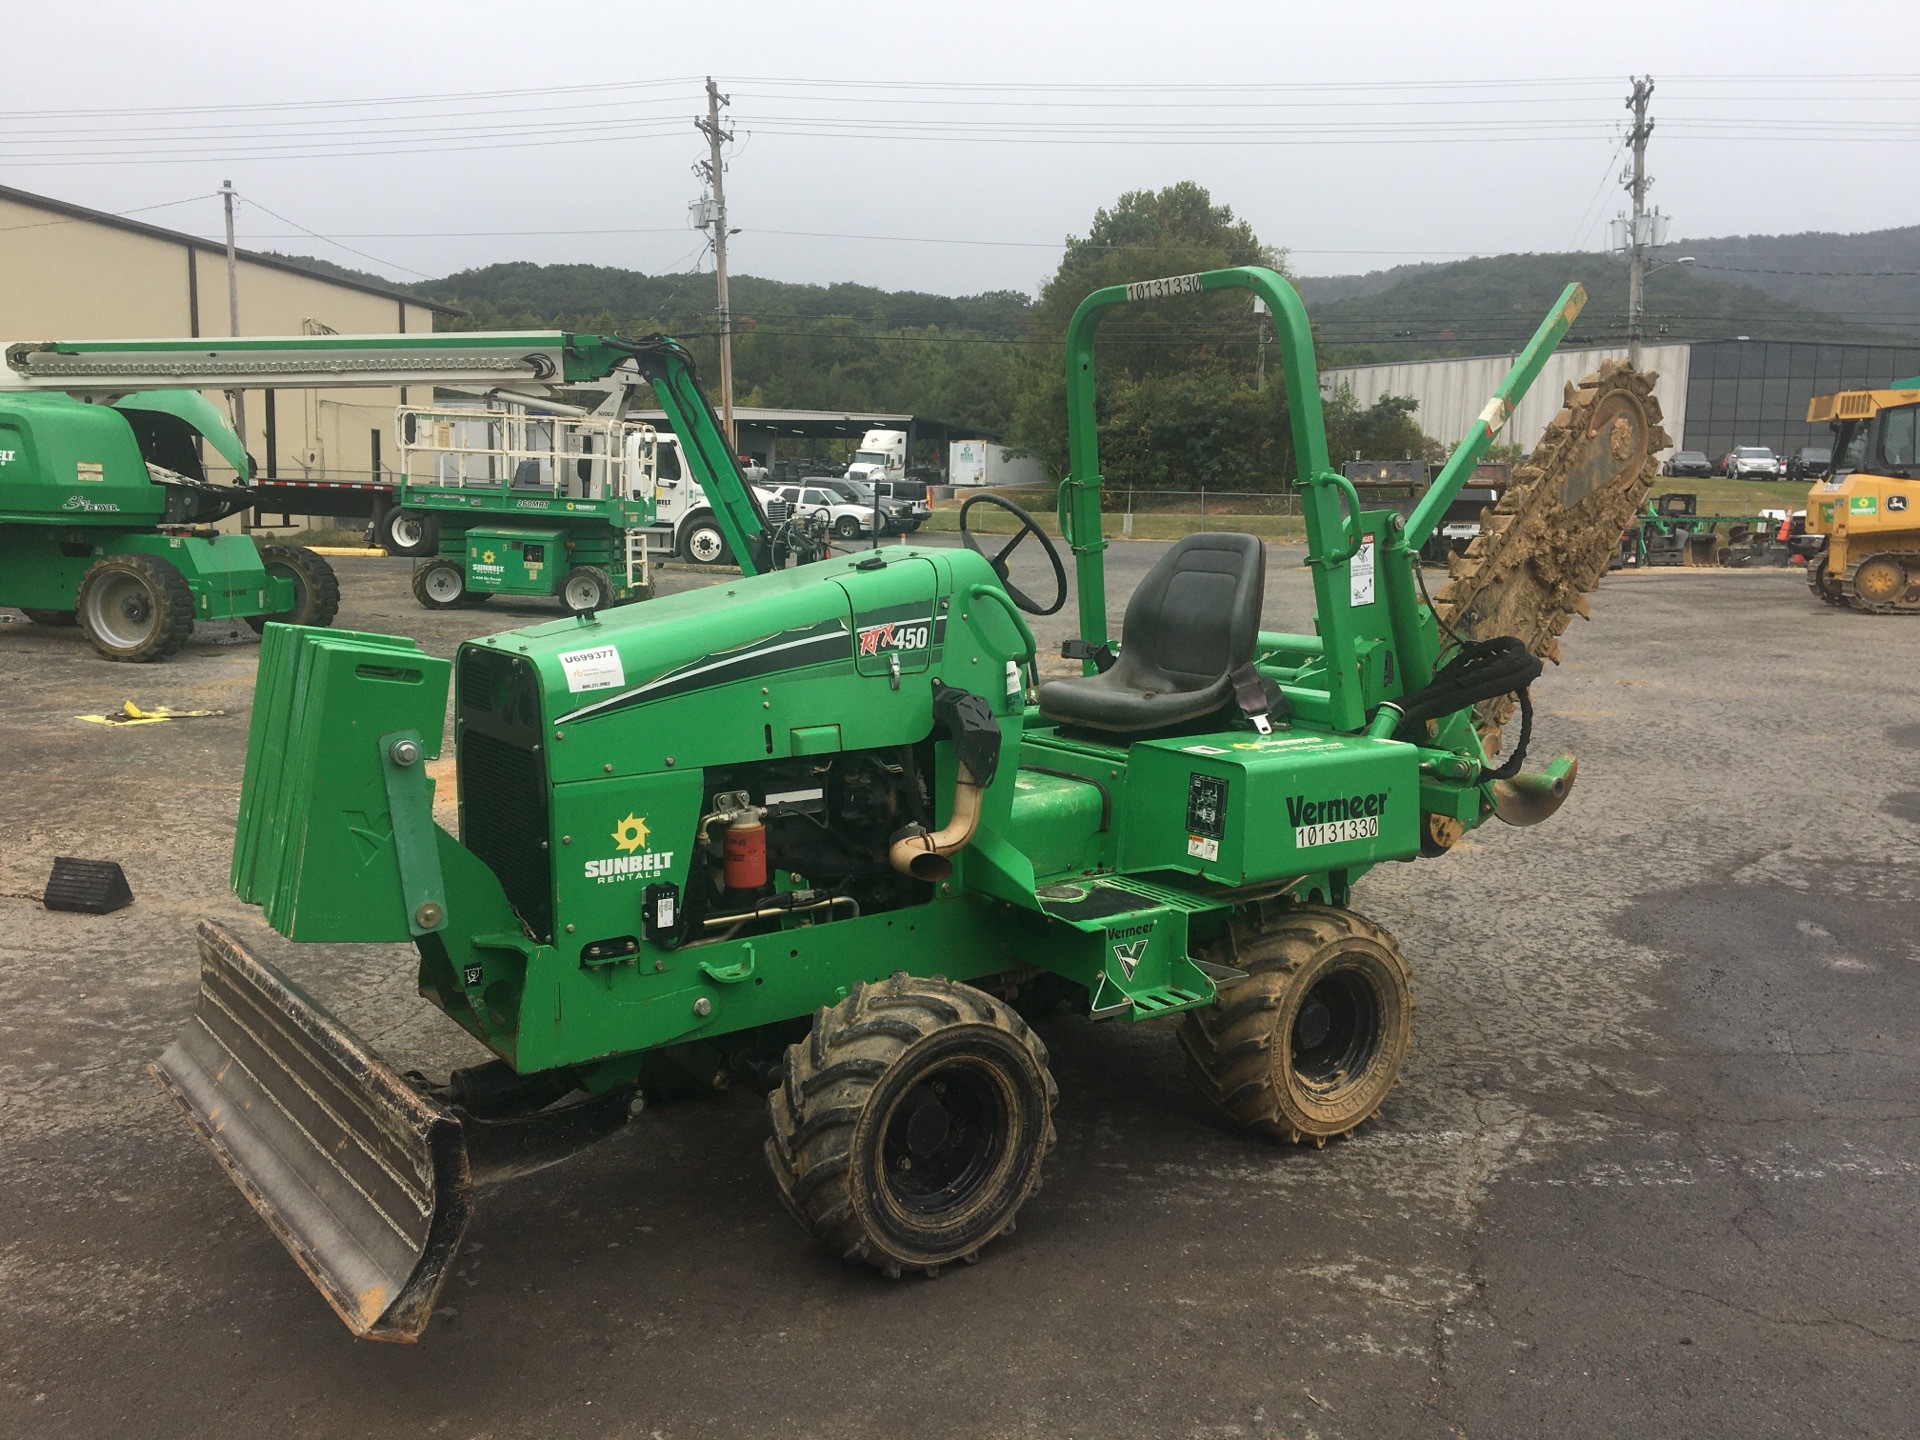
(236,399)
(1636,184)
(713,172)
(233,307)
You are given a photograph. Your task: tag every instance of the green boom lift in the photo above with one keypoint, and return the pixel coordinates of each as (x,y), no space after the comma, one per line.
(107,516)
(816,828)
(106,521)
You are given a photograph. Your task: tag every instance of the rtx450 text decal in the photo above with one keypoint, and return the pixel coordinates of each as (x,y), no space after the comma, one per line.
(914,634)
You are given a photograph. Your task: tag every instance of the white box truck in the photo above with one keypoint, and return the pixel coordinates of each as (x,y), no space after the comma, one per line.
(981,462)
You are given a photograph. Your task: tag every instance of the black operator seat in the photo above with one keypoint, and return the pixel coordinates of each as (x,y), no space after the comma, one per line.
(1192,622)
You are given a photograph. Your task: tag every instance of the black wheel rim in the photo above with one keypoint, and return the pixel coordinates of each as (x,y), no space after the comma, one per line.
(944,1139)
(1336,1031)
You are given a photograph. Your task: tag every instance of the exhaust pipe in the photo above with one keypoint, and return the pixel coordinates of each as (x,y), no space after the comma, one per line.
(923,855)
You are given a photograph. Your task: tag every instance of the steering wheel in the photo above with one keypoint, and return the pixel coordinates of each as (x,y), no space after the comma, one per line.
(1028,526)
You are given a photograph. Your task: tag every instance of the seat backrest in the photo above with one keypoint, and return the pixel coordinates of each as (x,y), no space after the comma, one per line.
(1196,615)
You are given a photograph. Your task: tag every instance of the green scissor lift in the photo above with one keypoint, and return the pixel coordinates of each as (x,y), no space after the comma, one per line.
(825,809)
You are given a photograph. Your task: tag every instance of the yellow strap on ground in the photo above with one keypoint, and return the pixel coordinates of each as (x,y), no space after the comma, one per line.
(131,714)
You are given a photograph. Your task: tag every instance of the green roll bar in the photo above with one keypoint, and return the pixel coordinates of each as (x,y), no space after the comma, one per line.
(1330,505)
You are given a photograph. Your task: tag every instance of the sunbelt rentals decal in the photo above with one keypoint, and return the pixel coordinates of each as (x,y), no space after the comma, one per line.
(1329,822)
(630,838)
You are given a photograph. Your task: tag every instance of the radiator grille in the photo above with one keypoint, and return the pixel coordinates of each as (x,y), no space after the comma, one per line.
(478,672)
(503,820)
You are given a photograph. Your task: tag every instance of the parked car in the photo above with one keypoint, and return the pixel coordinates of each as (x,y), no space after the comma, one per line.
(847,519)
(901,517)
(1809,462)
(805,468)
(1688,462)
(1749,462)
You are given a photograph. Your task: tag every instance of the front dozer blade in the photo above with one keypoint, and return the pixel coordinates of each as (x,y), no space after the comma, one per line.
(365,1180)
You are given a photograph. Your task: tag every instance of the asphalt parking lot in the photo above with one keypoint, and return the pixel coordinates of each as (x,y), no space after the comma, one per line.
(1654,1169)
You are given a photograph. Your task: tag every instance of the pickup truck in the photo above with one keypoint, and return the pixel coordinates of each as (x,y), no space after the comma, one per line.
(898,515)
(848,519)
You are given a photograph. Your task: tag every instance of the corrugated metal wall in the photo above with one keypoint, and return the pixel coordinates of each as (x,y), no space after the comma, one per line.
(1452,393)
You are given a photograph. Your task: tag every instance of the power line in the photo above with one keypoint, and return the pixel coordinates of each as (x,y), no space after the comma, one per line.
(391,265)
(117,214)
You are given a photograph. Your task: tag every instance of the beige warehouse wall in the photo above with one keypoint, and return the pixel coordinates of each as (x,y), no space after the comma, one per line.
(68,277)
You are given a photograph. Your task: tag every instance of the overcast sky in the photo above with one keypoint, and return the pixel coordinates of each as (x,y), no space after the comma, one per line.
(950,146)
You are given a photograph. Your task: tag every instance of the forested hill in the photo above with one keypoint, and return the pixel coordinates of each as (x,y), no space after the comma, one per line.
(522,293)
(1810,286)
(1874,276)
(1492,304)
(850,346)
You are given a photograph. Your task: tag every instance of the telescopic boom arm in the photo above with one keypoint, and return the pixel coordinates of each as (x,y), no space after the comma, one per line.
(524,360)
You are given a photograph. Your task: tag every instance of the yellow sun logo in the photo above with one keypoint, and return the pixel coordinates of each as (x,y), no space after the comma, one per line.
(487,556)
(630,834)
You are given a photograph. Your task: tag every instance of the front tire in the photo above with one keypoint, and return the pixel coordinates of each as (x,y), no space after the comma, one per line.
(912,1124)
(1311,1044)
(408,532)
(440,585)
(316,589)
(586,588)
(847,528)
(135,608)
(703,544)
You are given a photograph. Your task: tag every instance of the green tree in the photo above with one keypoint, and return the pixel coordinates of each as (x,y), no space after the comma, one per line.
(1179,401)
(1384,430)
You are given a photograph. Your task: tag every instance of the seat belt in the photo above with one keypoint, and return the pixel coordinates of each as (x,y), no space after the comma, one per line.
(1260,698)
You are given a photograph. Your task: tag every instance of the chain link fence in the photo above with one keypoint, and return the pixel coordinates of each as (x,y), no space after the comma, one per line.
(1142,514)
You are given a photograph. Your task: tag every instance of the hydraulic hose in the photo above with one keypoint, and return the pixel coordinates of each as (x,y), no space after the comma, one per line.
(1476,670)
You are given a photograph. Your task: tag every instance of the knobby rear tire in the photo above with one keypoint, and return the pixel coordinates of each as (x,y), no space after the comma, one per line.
(316,589)
(135,608)
(1265,1057)
(902,1073)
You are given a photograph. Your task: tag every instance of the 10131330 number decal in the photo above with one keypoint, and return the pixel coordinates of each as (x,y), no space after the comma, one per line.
(1365,827)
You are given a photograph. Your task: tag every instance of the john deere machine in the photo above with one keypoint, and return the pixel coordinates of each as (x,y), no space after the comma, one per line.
(1869,506)
(821,829)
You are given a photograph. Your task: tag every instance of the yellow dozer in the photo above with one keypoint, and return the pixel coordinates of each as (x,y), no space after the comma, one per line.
(1868,505)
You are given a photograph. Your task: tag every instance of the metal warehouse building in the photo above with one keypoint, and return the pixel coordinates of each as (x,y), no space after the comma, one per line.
(1714,394)
(79,274)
